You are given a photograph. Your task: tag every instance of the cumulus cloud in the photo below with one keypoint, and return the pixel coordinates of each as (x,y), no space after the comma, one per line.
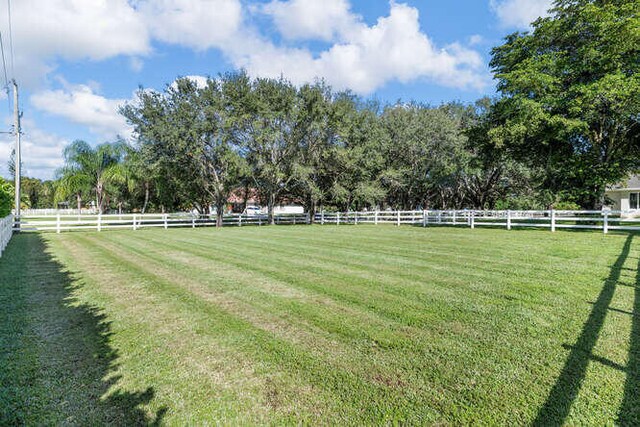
(311,19)
(198,24)
(519,13)
(82,104)
(72,29)
(364,58)
(41,151)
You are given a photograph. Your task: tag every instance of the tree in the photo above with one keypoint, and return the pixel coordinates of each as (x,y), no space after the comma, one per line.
(185,139)
(571,95)
(90,170)
(264,112)
(6,198)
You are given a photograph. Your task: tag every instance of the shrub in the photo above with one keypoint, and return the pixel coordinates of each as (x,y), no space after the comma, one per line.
(6,198)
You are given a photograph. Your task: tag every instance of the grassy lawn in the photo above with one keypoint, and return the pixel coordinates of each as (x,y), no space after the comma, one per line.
(355,324)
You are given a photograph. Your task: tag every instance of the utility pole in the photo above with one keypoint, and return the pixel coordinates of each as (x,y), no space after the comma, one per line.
(18,157)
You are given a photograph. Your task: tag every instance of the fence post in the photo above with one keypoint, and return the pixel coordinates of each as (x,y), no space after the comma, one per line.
(605,224)
(193,221)
(133,226)
(553,220)
(356,219)
(307,218)
(99,222)
(509,219)
(375,217)
(454,217)
(240,220)
(424,218)
(164,217)
(322,217)
(338,218)
(472,223)
(58,223)
(294,219)
(398,218)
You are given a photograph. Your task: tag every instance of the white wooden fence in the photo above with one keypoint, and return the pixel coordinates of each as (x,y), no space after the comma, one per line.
(6,231)
(546,219)
(61,222)
(604,220)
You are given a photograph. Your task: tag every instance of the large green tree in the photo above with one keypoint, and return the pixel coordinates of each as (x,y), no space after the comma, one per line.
(571,95)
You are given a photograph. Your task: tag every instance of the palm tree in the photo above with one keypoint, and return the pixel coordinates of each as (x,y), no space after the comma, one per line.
(90,170)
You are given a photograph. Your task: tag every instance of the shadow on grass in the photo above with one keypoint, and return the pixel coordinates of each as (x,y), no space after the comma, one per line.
(566,388)
(57,365)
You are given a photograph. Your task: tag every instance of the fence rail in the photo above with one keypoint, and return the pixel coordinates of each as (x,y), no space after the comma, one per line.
(546,219)
(77,222)
(6,231)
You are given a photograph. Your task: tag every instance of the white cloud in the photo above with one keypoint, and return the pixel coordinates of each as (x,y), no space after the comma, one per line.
(41,151)
(82,104)
(311,19)
(519,13)
(72,29)
(198,24)
(364,58)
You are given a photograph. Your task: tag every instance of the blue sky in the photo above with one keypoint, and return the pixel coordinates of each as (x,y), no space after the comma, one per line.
(76,61)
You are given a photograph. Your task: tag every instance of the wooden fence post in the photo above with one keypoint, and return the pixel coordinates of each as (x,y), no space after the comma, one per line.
(605,224)
(58,224)
(356,217)
(193,221)
(322,217)
(454,217)
(133,226)
(164,217)
(472,223)
(398,218)
(508,219)
(240,220)
(375,217)
(424,218)
(338,218)
(553,220)
(99,222)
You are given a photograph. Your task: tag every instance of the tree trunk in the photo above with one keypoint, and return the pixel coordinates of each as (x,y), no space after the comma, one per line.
(146,197)
(246,196)
(79,201)
(219,213)
(270,204)
(312,211)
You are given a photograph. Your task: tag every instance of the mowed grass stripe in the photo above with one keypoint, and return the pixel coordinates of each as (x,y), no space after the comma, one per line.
(375,401)
(354,325)
(254,267)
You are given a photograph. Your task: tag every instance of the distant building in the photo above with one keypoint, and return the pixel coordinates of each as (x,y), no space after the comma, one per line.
(237,203)
(625,196)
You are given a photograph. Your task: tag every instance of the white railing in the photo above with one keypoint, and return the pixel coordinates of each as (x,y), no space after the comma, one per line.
(6,231)
(51,212)
(547,219)
(604,220)
(60,222)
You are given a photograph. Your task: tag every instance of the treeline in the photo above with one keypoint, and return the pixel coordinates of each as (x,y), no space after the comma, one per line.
(197,145)
(565,125)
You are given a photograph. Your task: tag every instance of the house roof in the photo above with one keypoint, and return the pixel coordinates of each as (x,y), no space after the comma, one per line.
(632,183)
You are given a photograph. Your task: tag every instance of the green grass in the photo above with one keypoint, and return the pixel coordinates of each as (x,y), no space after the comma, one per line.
(349,325)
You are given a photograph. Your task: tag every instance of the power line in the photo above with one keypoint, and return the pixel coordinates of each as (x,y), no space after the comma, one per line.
(4,67)
(13,73)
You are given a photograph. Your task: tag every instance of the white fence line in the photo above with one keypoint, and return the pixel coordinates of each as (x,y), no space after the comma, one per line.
(546,219)
(585,219)
(6,231)
(60,222)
